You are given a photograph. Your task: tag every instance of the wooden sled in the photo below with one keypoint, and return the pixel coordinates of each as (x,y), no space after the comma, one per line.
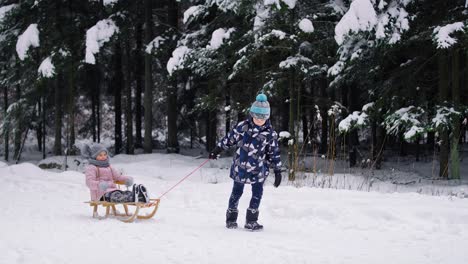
(127,217)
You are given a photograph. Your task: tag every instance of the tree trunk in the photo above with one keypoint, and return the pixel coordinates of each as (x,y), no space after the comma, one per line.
(93,116)
(284,112)
(298,114)
(58,117)
(91,82)
(128,89)
(98,103)
(228,111)
(211,120)
(312,121)
(19,122)
(148,145)
(353,140)
(139,78)
(454,156)
(430,142)
(117,86)
(292,127)
(443,96)
(418,147)
(190,103)
(305,130)
(403,145)
(305,122)
(172,142)
(71,108)
(6,128)
(324,114)
(40,108)
(44,131)
(377,141)
(464,131)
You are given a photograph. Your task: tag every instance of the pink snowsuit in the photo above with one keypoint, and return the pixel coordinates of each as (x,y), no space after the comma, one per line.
(95,175)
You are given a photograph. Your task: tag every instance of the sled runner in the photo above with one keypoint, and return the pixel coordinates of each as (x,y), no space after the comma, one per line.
(126,217)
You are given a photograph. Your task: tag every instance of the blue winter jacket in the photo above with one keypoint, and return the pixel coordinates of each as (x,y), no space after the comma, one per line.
(257,148)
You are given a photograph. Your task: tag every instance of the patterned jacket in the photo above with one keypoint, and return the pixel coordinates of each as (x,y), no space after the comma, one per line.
(257,149)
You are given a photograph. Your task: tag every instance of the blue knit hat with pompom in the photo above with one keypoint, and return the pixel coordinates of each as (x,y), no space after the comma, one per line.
(260,108)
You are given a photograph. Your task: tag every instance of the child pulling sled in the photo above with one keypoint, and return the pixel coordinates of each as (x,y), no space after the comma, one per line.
(257,149)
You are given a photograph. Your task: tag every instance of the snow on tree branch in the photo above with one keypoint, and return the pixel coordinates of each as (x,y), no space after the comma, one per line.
(110,2)
(284,134)
(290,3)
(240,64)
(442,34)
(107,2)
(338,6)
(361,16)
(274,33)
(306,25)
(364,26)
(154,44)
(262,14)
(225,5)
(177,59)
(96,36)
(218,37)
(194,12)
(5,9)
(46,69)
(30,37)
(336,69)
(389,22)
(293,61)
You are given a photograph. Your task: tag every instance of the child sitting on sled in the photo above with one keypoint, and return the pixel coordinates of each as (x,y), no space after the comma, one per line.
(257,148)
(101,178)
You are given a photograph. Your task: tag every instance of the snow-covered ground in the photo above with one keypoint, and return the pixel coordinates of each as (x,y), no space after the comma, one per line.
(44,220)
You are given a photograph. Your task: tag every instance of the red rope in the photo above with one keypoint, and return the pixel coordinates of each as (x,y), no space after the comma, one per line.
(183,179)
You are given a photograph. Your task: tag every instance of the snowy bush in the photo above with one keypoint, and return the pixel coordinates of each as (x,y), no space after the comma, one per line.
(444,118)
(407,120)
(354,120)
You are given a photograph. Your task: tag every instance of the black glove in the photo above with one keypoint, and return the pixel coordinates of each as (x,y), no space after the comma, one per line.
(214,154)
(278,178)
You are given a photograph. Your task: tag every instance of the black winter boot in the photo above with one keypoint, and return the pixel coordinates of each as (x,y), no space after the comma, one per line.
(143,194)
(231,218)
(251,220)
